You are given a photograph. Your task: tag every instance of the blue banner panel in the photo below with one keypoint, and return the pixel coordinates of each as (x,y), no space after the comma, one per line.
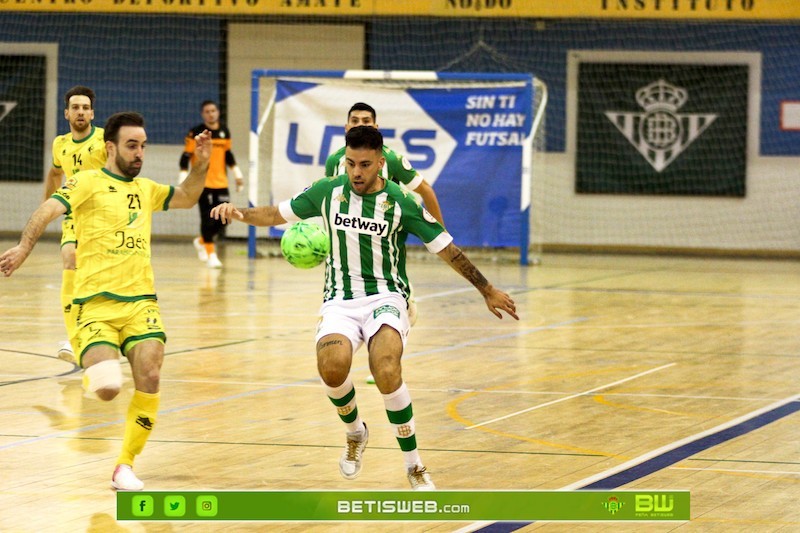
(467,142)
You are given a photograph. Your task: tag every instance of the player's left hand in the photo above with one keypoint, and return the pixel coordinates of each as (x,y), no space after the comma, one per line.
(202,151)
(226,212)
(239,184)
(497,299)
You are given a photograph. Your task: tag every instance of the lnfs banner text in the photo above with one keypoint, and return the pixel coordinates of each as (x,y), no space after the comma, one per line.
(466,142)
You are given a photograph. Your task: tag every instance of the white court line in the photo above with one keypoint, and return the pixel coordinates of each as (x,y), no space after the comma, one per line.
(736,471)
(473,527)
(650,455)
(460,391)
(677,444)
(601,387)
(465,391)
(444,293)
(315,380)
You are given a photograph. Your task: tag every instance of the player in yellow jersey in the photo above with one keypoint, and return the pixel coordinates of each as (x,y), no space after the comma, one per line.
(114,288)
(83,148)
(216,190)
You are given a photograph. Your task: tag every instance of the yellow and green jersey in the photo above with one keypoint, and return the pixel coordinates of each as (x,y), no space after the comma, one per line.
(73,156)
(113,223)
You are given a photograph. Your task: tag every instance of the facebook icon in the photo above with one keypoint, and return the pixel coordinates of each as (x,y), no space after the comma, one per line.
(142,506)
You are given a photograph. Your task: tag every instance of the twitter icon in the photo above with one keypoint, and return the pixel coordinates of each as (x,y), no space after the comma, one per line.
(174,505)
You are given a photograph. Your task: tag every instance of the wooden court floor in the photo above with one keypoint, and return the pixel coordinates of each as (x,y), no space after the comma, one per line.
(616,361)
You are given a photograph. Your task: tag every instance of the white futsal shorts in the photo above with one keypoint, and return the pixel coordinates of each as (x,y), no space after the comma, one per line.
(359,319)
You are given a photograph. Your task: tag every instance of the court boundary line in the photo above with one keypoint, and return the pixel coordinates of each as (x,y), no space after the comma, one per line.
(663,457)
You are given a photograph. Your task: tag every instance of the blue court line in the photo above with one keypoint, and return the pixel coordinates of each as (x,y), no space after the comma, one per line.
(668,458)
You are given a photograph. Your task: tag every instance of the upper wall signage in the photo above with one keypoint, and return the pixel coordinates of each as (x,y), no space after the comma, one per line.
(613,9)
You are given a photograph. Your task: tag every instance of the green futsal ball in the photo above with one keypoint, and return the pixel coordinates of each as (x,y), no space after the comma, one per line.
(305,245)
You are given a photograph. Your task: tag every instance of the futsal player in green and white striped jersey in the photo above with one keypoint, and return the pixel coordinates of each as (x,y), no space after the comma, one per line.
(395,168)
(368,219)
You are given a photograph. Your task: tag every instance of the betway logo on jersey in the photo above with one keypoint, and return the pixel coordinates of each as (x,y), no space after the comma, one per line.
(367,226)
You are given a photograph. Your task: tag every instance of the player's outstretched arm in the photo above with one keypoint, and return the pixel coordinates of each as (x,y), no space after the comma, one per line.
(13,258)
(495,298)
(267,215)
(188,192)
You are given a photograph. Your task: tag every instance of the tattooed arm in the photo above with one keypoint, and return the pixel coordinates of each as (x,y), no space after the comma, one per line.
(495,298)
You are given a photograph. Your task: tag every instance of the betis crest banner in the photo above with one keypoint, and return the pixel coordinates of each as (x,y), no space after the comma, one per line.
(467,142)
(662,129)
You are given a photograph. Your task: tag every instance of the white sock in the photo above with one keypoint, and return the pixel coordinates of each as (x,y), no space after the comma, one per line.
(401,418)
(343,398)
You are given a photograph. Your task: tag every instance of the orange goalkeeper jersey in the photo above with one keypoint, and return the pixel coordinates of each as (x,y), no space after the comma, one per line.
(221,155)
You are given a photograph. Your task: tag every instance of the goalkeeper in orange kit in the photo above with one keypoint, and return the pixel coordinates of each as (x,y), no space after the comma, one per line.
(216,186)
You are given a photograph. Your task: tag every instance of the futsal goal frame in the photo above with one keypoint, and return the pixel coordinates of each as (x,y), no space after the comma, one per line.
(263,104)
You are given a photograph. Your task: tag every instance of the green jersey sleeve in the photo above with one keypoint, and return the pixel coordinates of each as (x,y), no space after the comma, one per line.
(399,169)
(333,165)
(309,203)
(418,221)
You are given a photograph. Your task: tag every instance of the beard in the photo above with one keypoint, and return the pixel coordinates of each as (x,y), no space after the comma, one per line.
(81,127)
(128,169)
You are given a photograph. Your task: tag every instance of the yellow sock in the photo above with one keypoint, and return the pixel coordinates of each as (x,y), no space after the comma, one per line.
(138,424)
(67,286)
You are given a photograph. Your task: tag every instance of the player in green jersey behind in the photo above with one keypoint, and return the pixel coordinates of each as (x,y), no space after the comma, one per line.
(396,167)
(83,148)
(114,291)
(366,287)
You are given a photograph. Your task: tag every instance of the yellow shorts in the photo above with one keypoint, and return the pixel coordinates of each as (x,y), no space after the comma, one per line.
(68,231)
(118,324)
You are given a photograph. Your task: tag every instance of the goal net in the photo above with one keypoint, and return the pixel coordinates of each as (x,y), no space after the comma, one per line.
(474,137)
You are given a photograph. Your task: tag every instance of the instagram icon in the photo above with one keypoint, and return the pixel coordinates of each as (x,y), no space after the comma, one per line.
(207,505)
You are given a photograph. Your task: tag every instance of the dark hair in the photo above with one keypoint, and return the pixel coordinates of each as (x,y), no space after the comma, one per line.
(208,102)
(117,120)
(361,106)
(79,90)
(364,137)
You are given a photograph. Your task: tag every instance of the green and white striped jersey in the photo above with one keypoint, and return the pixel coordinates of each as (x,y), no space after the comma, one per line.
(397,168)
(368,235)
